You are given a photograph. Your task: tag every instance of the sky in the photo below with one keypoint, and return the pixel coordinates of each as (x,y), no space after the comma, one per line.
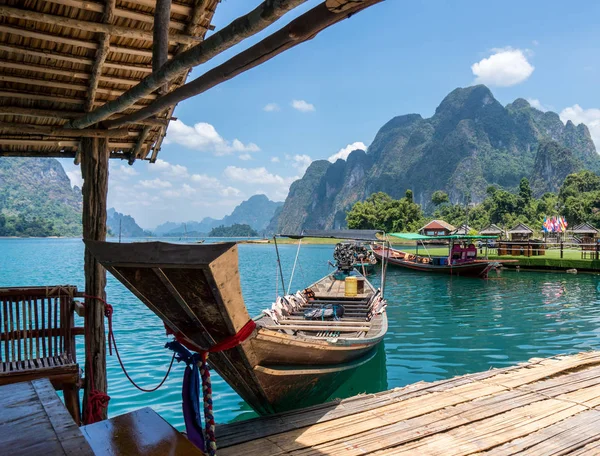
(258,132)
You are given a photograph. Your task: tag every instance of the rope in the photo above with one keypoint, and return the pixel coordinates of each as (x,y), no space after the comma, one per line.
(209,418)
(294,268)
(226,344)
(96,399)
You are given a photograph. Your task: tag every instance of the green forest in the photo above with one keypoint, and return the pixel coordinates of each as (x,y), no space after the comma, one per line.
(578,200)
(235,230)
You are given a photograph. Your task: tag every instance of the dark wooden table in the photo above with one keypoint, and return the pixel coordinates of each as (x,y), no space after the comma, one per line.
(34,421)
(140,433)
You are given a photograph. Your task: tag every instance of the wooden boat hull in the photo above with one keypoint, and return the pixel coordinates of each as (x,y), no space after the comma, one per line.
(474,269)
(289,387)
(196,291)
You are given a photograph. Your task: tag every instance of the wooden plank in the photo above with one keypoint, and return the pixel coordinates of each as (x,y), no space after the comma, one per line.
(560,438)
(320,322)
(65,429)
(147,434)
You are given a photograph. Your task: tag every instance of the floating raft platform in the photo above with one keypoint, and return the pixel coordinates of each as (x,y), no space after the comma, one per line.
(544,407)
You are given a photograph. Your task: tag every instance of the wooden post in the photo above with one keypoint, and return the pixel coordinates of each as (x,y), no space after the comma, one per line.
(597,249)
(94,168)
(561,248)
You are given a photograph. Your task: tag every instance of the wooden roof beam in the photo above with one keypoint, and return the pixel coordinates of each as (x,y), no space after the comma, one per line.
(53,55)
(64,85)
(63,115)
(116,30)
(43,130)
(138,147)
(301,29)
(119,12)
(101,53)
(243,27)
(66,73)
(72,42)
(160,43)
(33,96)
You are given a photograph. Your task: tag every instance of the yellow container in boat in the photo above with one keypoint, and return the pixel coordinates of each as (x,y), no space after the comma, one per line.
(350,286)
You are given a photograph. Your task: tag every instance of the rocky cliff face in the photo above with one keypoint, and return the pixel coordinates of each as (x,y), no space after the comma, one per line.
(553,163)
(36,198)
(471,142)
(126,224)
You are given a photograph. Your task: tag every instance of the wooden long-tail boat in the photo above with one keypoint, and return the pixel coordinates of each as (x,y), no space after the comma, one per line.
(288,361)
(460,260)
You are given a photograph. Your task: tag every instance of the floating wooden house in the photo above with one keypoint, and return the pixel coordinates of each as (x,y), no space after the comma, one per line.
(585,231)
(521,232)
(493,230)
(437,228)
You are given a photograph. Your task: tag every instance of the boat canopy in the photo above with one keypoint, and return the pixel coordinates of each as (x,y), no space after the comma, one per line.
(421,237)
(357,235)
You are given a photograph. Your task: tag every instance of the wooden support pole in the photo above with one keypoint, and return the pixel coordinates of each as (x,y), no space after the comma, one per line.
(116,30)
(243,27)
(94,169)
(301,29)
(101,53)
(160,45)
(139,144)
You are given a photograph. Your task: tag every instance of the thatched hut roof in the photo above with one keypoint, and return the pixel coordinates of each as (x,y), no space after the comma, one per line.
(584,228)
(521,228)
(49,74)
(492,230)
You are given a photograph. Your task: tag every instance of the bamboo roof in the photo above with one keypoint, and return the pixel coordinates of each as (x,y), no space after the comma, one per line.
(584,228)
(116,69)
(521,228)
(492,229)
(62,58)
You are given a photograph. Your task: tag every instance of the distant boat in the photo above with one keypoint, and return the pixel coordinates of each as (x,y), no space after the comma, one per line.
(461,259)
(302,348)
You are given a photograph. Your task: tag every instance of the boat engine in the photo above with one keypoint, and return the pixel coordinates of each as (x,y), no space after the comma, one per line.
(347,253)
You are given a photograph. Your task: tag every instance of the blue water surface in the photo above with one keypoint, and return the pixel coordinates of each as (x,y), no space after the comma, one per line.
(439,327)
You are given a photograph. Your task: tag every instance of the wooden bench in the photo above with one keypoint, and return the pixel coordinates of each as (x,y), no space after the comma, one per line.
(140,433)
(37,339)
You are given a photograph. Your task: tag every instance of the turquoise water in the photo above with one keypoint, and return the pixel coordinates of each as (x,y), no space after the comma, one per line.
(439,326)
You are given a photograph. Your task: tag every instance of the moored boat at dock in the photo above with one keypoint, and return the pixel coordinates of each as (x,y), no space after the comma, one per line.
(461,259)
(297,352)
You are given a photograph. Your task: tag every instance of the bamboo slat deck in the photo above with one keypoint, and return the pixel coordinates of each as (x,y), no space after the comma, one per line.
(542,407)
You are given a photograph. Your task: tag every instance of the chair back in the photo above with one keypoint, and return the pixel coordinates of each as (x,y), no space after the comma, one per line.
(36,322)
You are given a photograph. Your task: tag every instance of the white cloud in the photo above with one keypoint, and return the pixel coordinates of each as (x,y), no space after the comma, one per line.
(275,159)
(75,177)
(168,169)
(206,181)
(245,157)
(205,138)
(271,107)
(505,67)
(122,172)
(229,191)
(301,162)
(302,106)
(537,104)
(536,42)
(345,151)
(253,175)
(590,117)
(155,183)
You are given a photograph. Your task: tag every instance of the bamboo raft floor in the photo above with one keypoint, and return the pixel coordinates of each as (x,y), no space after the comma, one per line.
(544,407)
